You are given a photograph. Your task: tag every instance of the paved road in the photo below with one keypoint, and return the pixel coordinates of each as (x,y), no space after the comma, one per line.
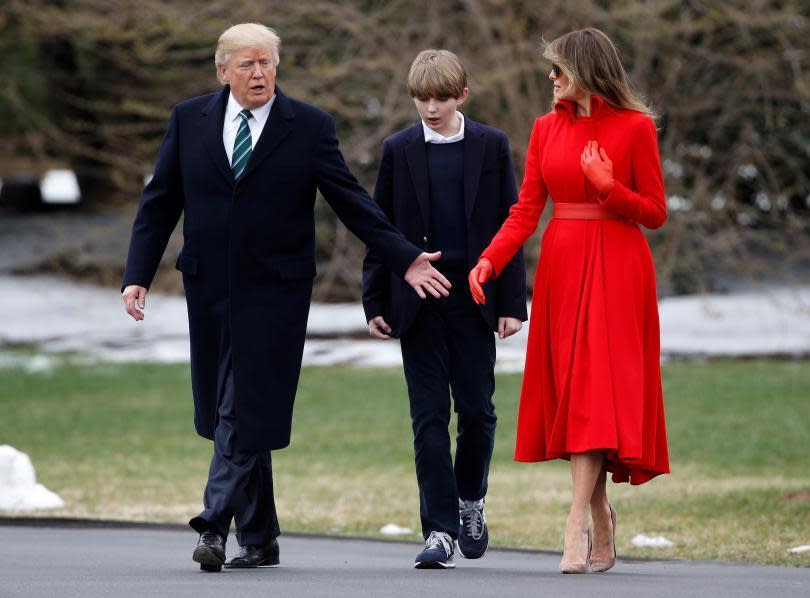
(85,562)
(35,240)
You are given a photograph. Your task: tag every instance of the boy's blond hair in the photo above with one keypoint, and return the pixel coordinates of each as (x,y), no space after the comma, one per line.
(436,74)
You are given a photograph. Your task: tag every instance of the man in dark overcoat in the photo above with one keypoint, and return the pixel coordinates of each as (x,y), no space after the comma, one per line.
(243,165)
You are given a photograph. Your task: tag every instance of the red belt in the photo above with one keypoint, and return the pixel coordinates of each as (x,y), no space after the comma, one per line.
(584,211)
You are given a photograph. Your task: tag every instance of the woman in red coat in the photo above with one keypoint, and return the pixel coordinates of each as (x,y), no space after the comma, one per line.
(592,382)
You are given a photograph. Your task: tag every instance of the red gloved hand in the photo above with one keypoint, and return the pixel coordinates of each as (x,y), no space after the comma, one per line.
(478,276)
(597,167)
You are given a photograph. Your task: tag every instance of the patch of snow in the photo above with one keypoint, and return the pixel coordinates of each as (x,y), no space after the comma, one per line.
(392,529)
(60,186)
(30,363)
(799,549)
(39,363)
(19,490)
(336,319)
(351,352)
(56,315)
(770,322)
(643,541)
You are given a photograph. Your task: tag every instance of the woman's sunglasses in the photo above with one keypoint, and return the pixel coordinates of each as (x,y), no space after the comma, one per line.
(556,70)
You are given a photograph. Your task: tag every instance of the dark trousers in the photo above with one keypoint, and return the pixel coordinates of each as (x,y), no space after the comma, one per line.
(449,347)
(240,483)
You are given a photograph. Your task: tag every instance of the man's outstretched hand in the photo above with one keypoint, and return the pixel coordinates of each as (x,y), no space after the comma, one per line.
(424,277)
(478,276)
(134,297)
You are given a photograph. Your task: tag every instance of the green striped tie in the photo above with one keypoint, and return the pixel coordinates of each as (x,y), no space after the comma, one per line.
(242,147)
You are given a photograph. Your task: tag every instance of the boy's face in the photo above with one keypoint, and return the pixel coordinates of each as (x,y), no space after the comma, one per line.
(440,114)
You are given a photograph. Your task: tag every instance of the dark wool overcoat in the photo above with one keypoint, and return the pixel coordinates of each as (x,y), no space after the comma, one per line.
(248,259)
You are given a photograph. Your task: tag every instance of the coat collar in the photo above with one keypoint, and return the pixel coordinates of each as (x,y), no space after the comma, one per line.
(599,108)
(213,114)
(432,136)
(474,146)
(416,156)
(275,130)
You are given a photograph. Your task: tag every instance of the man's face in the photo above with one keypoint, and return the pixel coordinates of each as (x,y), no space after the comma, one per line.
(251,73)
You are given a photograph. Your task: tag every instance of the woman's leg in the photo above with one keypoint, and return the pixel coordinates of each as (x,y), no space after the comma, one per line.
(585,471)
(600,511)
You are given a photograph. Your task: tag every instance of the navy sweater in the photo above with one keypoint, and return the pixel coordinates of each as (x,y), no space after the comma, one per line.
(448,225)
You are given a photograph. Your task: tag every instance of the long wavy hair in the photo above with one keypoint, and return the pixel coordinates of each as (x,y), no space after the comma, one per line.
(591,62)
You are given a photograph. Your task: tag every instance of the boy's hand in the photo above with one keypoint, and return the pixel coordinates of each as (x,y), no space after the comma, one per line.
(478,276)
(508,326)
(422,276)
(379,328)
(597,167)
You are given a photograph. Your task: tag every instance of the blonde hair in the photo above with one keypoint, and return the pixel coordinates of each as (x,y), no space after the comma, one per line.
(436,74)
(245,35)
(591,62)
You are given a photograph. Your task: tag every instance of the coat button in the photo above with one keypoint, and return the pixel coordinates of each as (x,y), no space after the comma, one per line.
(424,239)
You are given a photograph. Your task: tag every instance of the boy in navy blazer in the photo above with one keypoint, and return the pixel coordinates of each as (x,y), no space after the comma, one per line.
(447,183)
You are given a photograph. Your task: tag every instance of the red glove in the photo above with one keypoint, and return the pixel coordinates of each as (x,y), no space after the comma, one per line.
(478,276)
(597,167)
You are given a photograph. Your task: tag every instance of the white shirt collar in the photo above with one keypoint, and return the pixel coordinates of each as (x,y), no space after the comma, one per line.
(260,114)
(432,136)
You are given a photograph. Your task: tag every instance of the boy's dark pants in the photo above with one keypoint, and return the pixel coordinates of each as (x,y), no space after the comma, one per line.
(450,344)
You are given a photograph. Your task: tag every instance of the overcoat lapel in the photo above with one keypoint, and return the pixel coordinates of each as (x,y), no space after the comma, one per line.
(416,156)
(474,147)
(214,119)
(276,129)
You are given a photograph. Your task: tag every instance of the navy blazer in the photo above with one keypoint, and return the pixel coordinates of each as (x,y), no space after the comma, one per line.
(248,260)
(403,192)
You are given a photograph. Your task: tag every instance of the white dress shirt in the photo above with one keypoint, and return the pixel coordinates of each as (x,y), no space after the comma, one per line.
(233,120)
(432,136)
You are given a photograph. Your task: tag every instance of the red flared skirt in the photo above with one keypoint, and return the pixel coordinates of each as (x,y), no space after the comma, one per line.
(592,379)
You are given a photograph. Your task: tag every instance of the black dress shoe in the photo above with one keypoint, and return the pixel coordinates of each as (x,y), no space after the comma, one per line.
(210,551)
(250,556)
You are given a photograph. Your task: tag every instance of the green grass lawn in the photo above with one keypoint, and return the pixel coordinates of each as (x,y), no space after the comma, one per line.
(117,442)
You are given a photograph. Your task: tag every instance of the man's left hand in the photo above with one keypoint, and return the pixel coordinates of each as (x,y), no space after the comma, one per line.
(424,277)
(508,326)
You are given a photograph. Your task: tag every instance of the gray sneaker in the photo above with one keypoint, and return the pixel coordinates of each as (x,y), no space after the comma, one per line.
(438,552)
(473,536)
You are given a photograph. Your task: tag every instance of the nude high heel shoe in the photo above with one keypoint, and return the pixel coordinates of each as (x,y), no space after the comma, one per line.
(601,564)
(578,567)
